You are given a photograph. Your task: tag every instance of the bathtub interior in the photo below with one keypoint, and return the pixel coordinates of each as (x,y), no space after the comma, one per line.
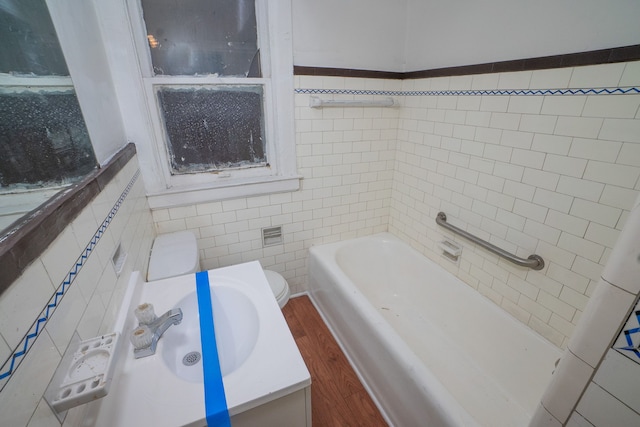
(494,366)
(403,389)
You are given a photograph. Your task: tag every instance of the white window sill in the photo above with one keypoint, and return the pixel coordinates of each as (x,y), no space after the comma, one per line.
(181,196)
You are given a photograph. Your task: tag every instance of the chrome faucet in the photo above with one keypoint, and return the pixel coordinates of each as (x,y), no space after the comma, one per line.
(157,328)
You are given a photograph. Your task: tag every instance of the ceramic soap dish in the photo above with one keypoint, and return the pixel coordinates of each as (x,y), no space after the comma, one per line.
(87,376)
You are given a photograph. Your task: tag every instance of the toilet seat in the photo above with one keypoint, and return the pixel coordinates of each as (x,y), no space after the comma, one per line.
(279,287)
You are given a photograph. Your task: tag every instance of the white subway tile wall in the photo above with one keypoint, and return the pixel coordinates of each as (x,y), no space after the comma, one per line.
(554,175)
(89,305)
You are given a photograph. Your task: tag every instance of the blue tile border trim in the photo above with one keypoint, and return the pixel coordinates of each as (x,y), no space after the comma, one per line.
(630,336)
(350,92)
(27,238)
(508,92)
(10,366)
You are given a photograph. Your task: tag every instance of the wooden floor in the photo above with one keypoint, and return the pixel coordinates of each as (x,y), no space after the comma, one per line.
(337,396)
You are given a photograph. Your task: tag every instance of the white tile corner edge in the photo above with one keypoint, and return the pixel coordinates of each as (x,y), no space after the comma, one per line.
(542,418)
(606,311)
(623,267)
(578,420)
(567,384)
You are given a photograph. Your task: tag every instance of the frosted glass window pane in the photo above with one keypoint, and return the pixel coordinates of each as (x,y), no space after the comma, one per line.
(43,139)
(189,37)
(28,41)
(213,128)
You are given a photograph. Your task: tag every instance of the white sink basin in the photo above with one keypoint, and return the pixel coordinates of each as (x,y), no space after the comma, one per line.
(236,326)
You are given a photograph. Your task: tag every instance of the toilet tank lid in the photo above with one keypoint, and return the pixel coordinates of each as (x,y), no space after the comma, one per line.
(173,254)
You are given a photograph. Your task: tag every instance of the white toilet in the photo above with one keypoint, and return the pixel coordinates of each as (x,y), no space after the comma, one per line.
(175,254)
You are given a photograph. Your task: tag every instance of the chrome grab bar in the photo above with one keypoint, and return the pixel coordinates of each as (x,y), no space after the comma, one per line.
(534,261)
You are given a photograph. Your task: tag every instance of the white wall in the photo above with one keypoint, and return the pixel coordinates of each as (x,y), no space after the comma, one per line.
(125,69)
(411,35)
(449,33)
(82,43)
(359,34)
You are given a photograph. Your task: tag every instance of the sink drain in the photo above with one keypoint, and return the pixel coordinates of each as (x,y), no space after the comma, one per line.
(191,359)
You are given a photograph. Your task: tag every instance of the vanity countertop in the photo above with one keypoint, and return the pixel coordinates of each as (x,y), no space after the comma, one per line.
(146,392)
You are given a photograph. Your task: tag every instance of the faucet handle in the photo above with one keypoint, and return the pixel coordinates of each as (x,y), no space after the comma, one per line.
(145,337)
(145,313)
(141,337)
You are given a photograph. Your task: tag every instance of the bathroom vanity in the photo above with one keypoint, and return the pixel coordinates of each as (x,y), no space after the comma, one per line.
(265,379)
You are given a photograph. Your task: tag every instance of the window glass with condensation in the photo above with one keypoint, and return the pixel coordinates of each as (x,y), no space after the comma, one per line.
(213,128)
(43,137)
(207,127)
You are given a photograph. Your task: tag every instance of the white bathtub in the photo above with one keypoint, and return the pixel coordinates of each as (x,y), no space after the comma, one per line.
(431,350)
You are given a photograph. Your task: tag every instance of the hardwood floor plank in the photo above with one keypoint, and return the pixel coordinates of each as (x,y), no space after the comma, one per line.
(294,324)
(334,359)
(337,396)
(327,406)
(365,410)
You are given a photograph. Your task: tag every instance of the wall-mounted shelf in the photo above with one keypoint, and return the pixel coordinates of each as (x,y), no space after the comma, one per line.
(315,102)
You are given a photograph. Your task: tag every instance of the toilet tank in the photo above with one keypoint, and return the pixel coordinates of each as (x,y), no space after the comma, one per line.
(173,254)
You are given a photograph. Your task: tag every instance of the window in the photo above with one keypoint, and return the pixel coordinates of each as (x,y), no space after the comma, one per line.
(208,77)
(44,141)
(200,37)
(213,128)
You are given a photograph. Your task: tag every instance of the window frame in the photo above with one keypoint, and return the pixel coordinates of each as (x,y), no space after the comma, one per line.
(276,52)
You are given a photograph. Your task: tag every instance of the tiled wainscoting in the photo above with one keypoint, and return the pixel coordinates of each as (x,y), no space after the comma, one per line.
(534,170)
(553,174)
(71,288)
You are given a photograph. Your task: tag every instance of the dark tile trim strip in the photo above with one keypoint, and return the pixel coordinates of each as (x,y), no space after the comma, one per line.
(31,236)
(300,70)
(594,57)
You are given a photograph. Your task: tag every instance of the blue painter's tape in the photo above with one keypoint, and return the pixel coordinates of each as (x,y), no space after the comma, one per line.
(214,398)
